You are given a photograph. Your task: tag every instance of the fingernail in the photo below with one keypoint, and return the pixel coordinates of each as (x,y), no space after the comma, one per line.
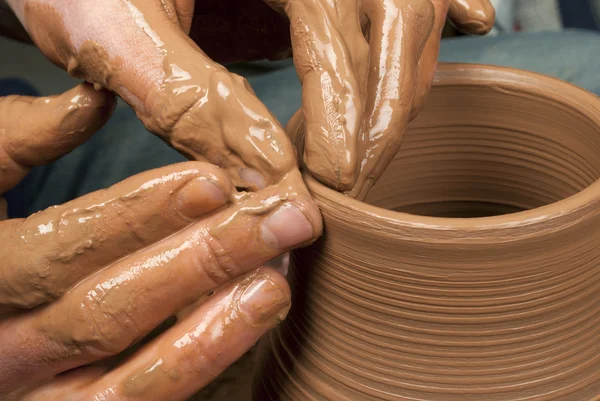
(286,227)
(253,177)
(199,197)
(263,300)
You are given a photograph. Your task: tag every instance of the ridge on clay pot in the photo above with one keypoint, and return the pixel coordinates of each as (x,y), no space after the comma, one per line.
(472,271)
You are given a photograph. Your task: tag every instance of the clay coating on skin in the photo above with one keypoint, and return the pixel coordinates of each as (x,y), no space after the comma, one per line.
(472,16)
(501,306)
(191,102)
(366,67)
(176,361)
(38,130)
(366,70)
(105,313)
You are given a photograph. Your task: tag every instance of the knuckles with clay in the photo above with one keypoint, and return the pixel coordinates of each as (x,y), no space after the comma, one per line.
(366,67)
(84,282)
(357,105)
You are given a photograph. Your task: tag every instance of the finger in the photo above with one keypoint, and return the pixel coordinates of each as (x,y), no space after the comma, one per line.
(331,58)
(108,312)
(475,17)
(429,57)
(194,104)
(198,349)
(62,387)
(399,30)
(47,253)
(35,131)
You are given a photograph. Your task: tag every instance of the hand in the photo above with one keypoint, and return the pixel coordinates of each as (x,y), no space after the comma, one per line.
(361,90)
(84,281)
(140,50)
(209,114)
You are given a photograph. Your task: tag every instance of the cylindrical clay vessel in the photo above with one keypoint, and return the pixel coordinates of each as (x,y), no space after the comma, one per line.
(472,271)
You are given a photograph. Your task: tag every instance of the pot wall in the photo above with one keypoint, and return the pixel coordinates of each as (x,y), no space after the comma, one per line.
(396,306)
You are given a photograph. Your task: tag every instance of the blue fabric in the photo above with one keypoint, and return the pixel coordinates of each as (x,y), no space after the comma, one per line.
(123,147)
(16,86)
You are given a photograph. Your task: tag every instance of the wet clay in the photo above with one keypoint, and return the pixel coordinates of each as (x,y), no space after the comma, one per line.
(360,64)
(38,130)
(354,91)
(177,363)
(191,102)
(394,304)
(471,16)
(66,243)
(100,303)
(360,89)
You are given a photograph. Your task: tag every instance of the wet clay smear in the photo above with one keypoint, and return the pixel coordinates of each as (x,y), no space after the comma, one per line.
(396,306)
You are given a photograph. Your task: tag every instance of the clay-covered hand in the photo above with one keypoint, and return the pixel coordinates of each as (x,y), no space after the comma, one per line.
(361,90)
(84,281)
(140,49)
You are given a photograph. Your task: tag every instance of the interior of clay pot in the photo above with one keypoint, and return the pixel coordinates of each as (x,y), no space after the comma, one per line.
(482,150)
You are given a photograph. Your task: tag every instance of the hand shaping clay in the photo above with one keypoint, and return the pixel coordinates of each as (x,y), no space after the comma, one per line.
(471,271)
(191,102)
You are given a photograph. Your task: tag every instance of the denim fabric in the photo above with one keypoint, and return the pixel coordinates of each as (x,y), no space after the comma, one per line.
(573,56)
(123,147)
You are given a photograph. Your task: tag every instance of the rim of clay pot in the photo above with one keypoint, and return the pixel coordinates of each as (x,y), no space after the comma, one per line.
(545,218)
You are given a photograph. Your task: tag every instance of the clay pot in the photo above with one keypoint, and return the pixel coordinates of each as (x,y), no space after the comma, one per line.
(472,272)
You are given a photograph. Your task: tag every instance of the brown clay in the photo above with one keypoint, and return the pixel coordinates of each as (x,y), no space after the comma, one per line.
(145,278)
(366,67)
(360,89)
(187,99)
(472,16)
(38,130)
(489,289)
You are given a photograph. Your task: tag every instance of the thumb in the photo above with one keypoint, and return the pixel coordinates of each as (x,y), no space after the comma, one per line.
(35,131)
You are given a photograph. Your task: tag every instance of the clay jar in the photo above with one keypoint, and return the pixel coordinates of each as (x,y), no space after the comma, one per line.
(472,271)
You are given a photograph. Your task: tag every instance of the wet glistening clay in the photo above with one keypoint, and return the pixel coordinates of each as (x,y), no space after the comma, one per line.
(381,313)
(471,270)
(366,68)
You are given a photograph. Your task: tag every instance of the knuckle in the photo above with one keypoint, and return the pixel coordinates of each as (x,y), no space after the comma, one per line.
(25,288)
(204,360)
(29,278)
(127,214)
(213,262)
(241,81)
(169,114)
(99,330)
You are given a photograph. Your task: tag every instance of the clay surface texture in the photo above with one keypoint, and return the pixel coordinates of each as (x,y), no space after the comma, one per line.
(471,271)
